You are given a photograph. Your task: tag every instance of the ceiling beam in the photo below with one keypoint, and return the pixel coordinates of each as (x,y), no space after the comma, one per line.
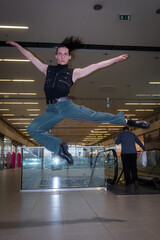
(87,46)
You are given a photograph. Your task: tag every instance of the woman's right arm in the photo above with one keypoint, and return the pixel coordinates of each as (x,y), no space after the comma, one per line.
(41,66)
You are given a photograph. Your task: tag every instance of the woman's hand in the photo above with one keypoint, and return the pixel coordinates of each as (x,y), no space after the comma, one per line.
(121,58)
(11,43)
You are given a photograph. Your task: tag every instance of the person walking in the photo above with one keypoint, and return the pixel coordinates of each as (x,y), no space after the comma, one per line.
(128,142)
(59,80)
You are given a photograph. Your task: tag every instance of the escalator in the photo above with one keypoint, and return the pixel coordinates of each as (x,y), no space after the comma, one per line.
(110,167)
(148,177)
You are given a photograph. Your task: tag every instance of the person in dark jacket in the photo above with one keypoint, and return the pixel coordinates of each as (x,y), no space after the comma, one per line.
(59,80)
(128,142)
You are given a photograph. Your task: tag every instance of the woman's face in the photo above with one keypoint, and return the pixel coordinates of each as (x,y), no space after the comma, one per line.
(62,55)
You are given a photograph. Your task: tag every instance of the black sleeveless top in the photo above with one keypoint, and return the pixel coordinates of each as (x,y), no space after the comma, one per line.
(58,81)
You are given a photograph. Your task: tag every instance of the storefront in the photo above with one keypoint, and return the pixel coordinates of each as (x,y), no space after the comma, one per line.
(9,149)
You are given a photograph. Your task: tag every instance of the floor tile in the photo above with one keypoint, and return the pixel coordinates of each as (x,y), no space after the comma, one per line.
(88,215)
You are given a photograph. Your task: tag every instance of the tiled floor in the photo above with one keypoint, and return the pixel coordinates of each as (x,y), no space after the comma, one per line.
(78,215)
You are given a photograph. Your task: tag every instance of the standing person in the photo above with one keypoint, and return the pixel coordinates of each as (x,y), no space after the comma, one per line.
(129,155)
(59,80)
(91,159)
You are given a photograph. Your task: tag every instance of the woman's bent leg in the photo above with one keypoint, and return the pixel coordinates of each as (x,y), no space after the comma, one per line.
(38,127)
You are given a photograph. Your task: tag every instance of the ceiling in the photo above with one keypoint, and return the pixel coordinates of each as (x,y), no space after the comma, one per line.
(105,36)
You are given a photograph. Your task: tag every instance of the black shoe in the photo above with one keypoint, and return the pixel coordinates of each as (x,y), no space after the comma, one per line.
(139,124)
(63,152)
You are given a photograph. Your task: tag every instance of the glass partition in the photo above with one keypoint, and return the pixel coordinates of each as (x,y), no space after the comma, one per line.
(153,164)
(150,172)
(41,169)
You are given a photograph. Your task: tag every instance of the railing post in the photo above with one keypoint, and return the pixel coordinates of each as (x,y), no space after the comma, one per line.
(42,158)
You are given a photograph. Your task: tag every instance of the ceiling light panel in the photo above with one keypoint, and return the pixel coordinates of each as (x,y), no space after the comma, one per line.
(136,104)
(33,110)
(8,115)
(19,103)
(13,60)
(30,94)
(19,119)
(19,123)
(33,115)
(144,110)
(14,27)
(17,80)
(148,95)
(123,110)
(154,83)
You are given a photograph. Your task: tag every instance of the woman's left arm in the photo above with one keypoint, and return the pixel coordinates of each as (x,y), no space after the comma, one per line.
(82,72)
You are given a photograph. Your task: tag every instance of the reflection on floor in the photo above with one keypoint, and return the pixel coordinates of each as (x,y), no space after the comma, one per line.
(75,215)
(70,182)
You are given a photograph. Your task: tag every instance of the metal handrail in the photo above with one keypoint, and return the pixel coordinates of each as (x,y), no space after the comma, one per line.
(112,181)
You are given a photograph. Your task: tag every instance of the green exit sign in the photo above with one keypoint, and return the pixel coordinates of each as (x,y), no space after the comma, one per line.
(125,17)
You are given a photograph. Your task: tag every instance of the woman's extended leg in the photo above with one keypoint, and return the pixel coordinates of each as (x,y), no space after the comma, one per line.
(74,111)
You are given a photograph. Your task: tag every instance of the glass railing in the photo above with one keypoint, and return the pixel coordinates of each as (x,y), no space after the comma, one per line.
(93,167)
(150,175)
(110,159)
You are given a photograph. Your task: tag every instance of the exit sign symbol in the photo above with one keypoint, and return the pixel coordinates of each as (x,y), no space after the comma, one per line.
(125,17)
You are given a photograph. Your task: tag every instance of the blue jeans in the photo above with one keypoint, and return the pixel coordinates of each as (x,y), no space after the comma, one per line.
(66,109)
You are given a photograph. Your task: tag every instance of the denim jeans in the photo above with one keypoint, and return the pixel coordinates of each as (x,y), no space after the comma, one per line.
(66,109)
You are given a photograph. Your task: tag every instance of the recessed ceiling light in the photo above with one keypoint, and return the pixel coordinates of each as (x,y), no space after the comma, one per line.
(97,7)
(33,114)
(158,11)
(148,95)
(144,110)
(100,129)
(33,109)
(144,95)
(23,80)
(13,60)
(156,95)
(154,82)
(19,119)
(19,102)
(8,115)
(17,80)
(18,93)
(113,129)
(20,123)
(135,119)
(134,104)
(13,27)
(123,110)
(130,115)
(114,126)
